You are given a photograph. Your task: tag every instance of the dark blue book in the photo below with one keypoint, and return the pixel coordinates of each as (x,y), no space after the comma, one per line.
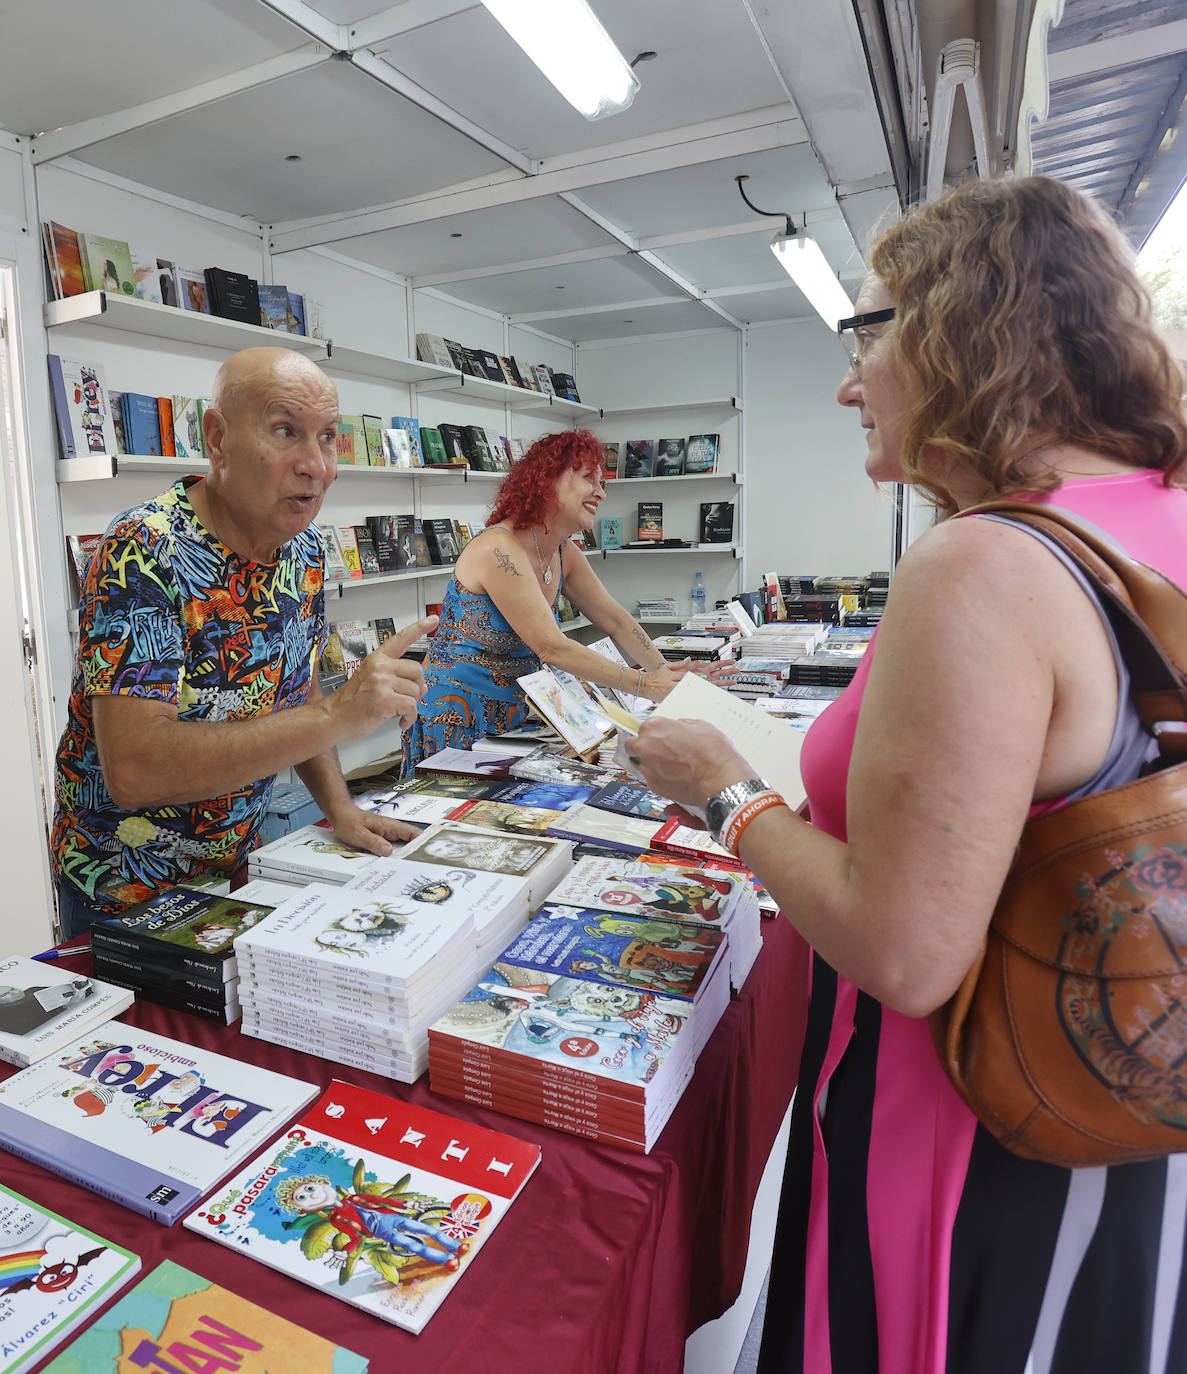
(297,313)
(630,799)
(551,796)
(142,423)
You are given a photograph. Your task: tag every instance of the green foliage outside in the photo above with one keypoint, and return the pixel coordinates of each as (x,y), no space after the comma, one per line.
(1166,278)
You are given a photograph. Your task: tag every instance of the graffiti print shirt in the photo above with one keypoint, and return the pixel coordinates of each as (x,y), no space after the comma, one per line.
(171,614)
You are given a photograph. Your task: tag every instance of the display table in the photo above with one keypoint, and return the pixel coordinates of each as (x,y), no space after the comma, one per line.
(606,1262)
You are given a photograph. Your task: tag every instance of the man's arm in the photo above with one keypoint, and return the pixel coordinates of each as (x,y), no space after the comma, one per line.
(151,759)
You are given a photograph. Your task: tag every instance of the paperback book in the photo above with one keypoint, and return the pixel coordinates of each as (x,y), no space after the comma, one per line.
(54,1276)
(669,457)
(564,704)
(700,454)
(107,265)
(590,825)
(43,1007)
(143,1119)
(82,407)
(175,1320)
(651,520)
(378,1202)
(638,458)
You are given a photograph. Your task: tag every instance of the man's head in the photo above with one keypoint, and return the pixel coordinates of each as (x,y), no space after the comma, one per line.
(270,432)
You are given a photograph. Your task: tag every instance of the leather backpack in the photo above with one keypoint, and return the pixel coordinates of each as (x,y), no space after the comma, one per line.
(1068,1036)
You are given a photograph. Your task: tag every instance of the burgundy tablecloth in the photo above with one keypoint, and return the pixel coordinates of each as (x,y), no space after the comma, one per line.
(607,1261)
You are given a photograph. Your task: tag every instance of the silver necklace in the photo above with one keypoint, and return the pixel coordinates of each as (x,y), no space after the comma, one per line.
(545,571)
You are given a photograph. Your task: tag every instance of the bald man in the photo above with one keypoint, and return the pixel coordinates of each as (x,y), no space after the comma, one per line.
(200,626)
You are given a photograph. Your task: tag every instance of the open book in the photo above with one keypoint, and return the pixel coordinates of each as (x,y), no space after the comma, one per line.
(563,702)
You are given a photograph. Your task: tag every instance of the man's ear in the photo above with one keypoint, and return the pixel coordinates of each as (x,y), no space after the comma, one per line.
(214,429)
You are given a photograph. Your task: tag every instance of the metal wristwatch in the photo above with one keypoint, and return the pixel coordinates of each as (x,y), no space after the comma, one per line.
(721,804)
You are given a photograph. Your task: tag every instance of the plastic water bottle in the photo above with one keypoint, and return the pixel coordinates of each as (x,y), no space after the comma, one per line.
(696,597)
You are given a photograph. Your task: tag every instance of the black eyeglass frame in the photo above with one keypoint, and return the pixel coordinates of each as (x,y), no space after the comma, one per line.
(856,322)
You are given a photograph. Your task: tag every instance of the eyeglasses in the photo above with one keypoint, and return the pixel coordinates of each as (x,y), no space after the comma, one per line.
(853,337)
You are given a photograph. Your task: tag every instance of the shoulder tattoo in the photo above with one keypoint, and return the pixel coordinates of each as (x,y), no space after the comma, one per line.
(506,562)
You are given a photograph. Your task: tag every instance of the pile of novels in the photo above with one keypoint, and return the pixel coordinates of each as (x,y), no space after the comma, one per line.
(493,367)
(701,648)
(43,1008)
(823,669)
(589,1022)
(755,677)
(178,948)
(660,608)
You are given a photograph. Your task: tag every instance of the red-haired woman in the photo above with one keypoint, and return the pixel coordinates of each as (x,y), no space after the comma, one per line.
(499,617)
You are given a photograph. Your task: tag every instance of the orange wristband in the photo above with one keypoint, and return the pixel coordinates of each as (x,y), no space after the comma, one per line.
(731,832)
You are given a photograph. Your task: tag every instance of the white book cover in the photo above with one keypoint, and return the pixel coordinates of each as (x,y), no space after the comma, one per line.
(397,936)
(674,893)
(486,896)
(540,860)
(314,853)
(418,808)
(82,405)
(54,1276)
(566,707)
(372,1200)
(143,1119)
(43,1007)
(638,706)
(354,1054)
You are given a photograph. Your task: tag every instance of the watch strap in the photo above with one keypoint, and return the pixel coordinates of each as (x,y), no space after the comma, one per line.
(722,804)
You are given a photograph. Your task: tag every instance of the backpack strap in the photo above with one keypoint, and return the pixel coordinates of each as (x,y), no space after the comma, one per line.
(1148,611)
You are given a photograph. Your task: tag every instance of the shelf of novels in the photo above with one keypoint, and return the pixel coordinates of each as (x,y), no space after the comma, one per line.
(404,575)
(516,397)
(617,483)
(106,309)
(658,407)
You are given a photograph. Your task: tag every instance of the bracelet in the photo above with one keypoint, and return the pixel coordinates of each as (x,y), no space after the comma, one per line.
(621,676)
(642,675)
(741,816)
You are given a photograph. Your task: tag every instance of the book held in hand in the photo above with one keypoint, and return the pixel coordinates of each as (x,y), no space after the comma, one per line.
(143,1119)
(54,1276)
(372,1200)
(176,1320)
(563,703)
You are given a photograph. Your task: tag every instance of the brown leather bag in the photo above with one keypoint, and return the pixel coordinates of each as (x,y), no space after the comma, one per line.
(1068,1036)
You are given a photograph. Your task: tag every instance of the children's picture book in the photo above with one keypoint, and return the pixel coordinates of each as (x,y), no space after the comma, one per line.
(142,423)
(638,458)
(82,407)
(107,265)
(411,427)
(54,1276)
(274,307)
(187,427)
(659,892)
(372,434)
(175,1320)
(567,708)
(376,1201)
(651,520)
(669,457)
(700,453)
(351,443)
(143,1119)
(42,1007)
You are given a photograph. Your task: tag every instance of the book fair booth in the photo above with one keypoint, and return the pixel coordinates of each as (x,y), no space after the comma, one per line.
(414,200)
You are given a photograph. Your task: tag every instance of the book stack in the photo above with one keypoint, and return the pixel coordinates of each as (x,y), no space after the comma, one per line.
(356,976)
(312,854)
(659,608)
(233,295)
(594,825)
(605,1062)
(782,640)
(178,949)
(823,669)
(43,1008)
(376,1201)
(680,894)
(758,677)
(700,648)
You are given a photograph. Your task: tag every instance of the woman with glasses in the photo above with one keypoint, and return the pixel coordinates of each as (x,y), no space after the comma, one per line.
(1003,347)
(499,621)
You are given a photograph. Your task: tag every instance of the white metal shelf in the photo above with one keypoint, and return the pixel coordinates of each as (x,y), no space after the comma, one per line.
(106,309)
(389,368)
(733,550)
(519,398)
(568,626)
(405,575)
(98,467)
(656,407)
(617,483)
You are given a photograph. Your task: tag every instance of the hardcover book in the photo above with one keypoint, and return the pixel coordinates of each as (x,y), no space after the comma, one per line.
(376,1201)
(43,1007)
(107,265)
(54,1276)
(274,307)
(143,1119)
(717,522)
(638,458)
(651,520)
(82,407)
(700,455)
(177,1320)
(233,295)
(669,458)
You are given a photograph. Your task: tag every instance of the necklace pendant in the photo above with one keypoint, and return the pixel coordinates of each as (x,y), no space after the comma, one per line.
(547,575)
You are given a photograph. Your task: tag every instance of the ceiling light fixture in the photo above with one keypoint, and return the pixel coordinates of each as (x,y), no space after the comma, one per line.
(801,258)
(566,40)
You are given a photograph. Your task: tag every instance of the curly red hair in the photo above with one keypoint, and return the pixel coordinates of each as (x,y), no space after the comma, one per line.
(528,491)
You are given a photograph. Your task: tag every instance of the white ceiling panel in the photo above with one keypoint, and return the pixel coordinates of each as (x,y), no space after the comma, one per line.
(571,288)
(784,179)
(659,319)
(360,144)
(505,234)
(775,303)
(63,63)
(709,64)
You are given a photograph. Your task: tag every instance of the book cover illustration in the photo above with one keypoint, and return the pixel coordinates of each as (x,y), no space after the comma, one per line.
(375,1201)
(663,957)
(82,407)
(107,265)
(454,845)
(143,1119)
(176,1320)
(651,520)
(412,428)
(66,268)
(185,926)
(53,1275)
(587,824)
(700,453)
(610,531)
(669,457)
(471,763)
(142,423)
(544,766)
(656,891)
(43,1007)
(296,313)
(397,448)
(610,453)
(274,307)
(187,427)
(373,441)
(630,799)
(638,458)
(566,707)
(495,815)
(192,291)
(717,522)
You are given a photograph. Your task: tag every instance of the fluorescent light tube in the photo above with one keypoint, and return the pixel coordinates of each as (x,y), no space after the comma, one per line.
(801,258)
(565,39)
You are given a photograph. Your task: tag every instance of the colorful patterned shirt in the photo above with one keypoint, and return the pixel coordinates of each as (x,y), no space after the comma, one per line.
(171,614)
